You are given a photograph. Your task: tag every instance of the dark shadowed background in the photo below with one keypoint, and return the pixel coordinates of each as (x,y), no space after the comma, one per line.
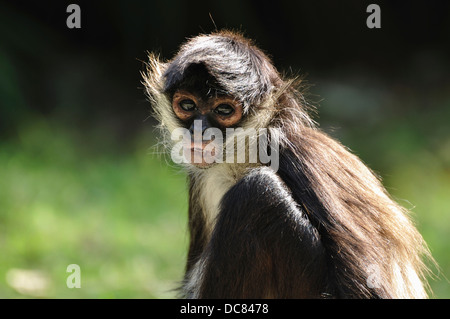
(79,180)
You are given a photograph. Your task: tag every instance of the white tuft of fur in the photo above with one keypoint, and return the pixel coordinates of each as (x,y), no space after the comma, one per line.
(154,84)
(210,186)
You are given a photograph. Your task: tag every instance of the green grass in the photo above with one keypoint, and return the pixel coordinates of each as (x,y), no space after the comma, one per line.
(120,217)
(120,214)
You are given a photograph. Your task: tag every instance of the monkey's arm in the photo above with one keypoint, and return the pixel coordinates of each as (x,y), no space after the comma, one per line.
(263,245)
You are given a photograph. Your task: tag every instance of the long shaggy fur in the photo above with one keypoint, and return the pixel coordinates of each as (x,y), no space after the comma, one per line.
(366,234)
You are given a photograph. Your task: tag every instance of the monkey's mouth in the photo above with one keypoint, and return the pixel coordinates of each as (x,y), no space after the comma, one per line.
(199,154)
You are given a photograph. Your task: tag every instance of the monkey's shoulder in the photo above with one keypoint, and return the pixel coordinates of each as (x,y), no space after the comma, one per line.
(261,181)
(260,189)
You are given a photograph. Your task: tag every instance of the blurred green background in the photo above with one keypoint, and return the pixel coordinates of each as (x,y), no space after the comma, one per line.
(81,184)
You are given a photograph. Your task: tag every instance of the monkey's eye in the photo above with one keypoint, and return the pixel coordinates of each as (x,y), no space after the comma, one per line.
(188,105)
(224,109)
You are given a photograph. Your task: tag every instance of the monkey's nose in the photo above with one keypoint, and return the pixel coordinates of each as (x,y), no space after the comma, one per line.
(199,125)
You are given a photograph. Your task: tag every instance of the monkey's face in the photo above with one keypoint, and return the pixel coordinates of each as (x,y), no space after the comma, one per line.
(213,83)
(199,112)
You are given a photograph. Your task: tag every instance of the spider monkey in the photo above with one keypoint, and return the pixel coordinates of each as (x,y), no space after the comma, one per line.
(319,226)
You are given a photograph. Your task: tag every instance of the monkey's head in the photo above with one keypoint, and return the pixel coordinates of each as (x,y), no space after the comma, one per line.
(225,63)
(220,80)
